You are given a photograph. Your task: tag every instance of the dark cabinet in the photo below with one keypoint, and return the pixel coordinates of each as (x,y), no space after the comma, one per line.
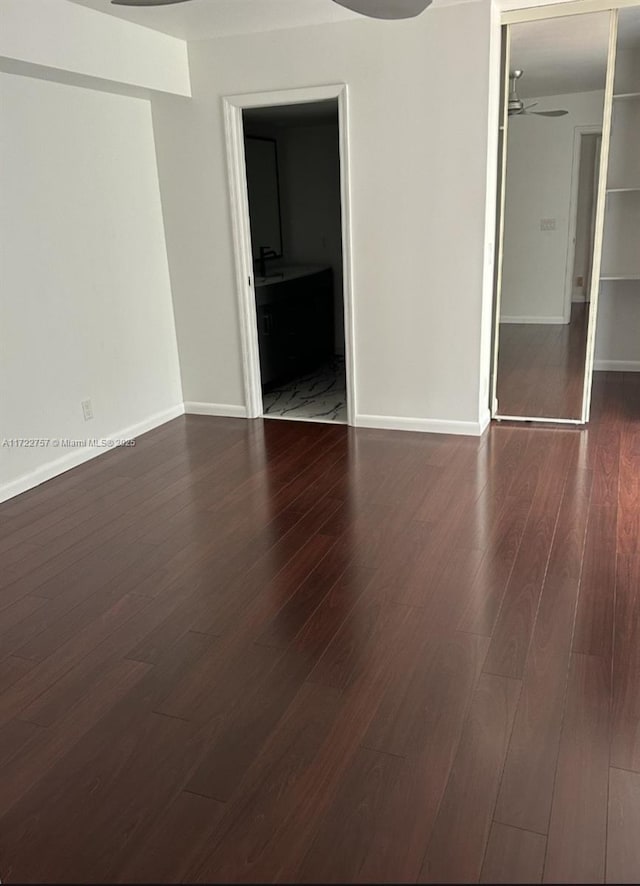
(295,326)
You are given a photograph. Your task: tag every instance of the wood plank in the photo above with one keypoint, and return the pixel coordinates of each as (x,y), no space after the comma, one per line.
(629,492)
(577,831)
(593,633)
(349,828)
(513,856)
(459,838)
(512,634)
(175,842)
(47,746)
(527,784)
(250,822)
(430,723)
(623,846)
(625,727)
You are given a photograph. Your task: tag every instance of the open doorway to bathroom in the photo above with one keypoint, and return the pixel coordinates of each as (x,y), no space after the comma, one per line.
(292,157)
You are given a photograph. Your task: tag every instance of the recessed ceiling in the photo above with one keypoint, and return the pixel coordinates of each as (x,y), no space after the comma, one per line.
(204,19)
(561,55)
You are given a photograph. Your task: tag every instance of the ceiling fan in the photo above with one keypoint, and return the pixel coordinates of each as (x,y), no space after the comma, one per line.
(517,108)
(388,9)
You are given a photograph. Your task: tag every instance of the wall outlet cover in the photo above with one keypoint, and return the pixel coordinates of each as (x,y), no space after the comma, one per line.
(87,409)
(547,224)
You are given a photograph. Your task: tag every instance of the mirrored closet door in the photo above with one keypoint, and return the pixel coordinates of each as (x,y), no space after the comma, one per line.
(557,104)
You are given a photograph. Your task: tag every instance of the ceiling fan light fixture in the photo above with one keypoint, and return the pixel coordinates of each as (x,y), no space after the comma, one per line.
(145,2)
(386,9)
(517,108)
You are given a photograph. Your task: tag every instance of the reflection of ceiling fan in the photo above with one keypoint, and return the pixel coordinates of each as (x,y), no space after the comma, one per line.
(373,8)
(517,108)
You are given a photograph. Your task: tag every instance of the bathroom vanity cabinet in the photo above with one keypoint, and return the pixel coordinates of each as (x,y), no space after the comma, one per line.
(294,309)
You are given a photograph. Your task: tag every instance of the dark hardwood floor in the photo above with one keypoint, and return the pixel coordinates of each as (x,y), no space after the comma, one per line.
(273,651)
(541,367)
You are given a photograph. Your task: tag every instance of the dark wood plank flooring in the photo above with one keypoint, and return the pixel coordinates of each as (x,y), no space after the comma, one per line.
(272,651)
(541,367)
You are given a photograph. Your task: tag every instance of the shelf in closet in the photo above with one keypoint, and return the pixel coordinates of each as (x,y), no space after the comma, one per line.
(613,277)
(625,96)
(623,190)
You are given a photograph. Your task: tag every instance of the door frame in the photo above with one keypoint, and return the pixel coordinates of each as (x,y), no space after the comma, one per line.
(233,106)
(578,133)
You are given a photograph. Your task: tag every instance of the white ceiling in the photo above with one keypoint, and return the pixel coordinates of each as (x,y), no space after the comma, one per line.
(568,54)
(203,19)
(561,55)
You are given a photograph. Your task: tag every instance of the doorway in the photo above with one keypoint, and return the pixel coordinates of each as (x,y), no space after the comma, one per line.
(583,221)
(287,155)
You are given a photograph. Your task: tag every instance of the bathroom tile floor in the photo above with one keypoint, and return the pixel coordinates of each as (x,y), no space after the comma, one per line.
(319,396)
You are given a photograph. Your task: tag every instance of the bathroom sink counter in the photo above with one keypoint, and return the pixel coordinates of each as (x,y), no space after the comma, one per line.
(287,272)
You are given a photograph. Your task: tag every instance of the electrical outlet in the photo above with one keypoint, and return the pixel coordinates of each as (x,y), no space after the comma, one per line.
(87,409)
(579,281)
(547,224)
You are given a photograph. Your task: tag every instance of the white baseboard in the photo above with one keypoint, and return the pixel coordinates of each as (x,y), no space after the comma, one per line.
(385,422)
(192,407)
(424,425)
(617,365)
(542,320)
(78,456)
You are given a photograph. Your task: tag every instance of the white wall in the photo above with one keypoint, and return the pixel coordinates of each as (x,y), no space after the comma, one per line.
(62,36)
(85,300)
(418,98)
(618,329)
(539,170)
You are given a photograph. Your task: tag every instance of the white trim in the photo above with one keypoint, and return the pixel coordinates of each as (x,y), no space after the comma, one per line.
(501,158)
(547,421)
(521,12)
(243,257)
(598,227)
(485,420)
(578,132)
(233,106)
(192,407)
(424,425)
(78,456)
(617,366)
(531,319)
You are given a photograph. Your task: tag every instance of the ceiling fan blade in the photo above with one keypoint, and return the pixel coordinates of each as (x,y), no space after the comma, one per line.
(549,113)
(532,105)
(388,9)
(145,2)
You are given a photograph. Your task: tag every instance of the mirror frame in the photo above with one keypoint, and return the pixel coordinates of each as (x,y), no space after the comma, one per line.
(274,142)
